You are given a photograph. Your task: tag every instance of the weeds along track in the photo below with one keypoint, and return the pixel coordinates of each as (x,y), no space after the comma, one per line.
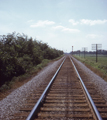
(65,99)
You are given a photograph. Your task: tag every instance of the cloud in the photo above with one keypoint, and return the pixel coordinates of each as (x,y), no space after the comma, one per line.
(58,27)
(87,22)
(73,22)
(41,23)
(93,36)
(71,30)
(66,29)
(92,22)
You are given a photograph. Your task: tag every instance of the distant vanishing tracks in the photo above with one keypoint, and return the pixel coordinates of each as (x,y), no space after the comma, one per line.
(65,99)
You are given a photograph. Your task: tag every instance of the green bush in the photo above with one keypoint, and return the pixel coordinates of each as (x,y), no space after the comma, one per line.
(19,54)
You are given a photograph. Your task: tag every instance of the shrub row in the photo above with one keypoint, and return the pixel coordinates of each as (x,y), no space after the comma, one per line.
(18,54)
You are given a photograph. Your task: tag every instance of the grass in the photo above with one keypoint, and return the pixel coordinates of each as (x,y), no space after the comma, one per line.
(100,68)
(16,82)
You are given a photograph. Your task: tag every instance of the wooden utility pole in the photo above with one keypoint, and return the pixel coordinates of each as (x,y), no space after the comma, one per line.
(84,49)
(96,52)
(72,50)
(79,53)
(96,47)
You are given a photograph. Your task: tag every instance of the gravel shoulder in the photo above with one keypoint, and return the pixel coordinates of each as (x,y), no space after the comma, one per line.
(15,100)
(101,85)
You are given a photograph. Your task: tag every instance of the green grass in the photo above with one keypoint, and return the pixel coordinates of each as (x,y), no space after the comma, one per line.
(90,60)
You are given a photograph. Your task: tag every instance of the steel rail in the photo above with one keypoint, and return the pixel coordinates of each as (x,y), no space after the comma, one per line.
(36,108)
(88,95)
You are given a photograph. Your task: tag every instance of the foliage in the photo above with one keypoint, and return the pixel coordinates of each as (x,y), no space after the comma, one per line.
(18,54)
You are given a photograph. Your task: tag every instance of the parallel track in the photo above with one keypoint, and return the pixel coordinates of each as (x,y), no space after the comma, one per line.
(66,99)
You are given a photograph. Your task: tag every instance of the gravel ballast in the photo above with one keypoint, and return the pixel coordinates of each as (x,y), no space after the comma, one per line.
(101,84)
(15,100)
(12,103)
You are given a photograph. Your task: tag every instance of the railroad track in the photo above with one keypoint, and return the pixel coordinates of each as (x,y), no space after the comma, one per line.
(65,98)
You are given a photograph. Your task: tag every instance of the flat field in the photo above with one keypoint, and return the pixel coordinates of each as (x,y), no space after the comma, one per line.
(99,67)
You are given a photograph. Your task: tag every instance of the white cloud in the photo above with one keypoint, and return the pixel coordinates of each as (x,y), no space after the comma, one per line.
(92,22)
(93,36)
(66,29)
(87,22)
(73,22)
(58,27)
(41,23)
(71,30)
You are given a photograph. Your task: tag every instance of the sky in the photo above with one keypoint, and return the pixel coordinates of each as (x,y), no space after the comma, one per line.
(59,23)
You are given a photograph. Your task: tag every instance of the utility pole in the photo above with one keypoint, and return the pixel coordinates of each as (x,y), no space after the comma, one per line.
(84,49)
(96,52)
(72,50)
(96,47)
(84,52)
(79,52)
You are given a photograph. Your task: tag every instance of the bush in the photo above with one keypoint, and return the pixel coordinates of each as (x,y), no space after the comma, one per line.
(19,54)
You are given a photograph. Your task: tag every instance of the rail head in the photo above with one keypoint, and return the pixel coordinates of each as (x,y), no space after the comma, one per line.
(87,93)
(36,108)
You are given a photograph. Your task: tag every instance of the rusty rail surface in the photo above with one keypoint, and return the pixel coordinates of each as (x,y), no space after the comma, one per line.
(38,104)
(87,94)
(67,96)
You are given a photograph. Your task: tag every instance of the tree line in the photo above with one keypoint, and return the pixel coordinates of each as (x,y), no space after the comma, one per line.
(18,54)
(102,52)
